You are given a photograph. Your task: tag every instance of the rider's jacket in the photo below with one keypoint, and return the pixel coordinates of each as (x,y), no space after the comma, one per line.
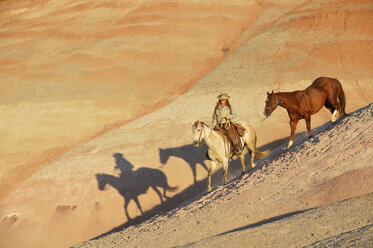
(221,113)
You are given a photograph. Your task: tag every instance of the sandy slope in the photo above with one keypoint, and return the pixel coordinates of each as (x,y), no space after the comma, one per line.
(302,228)
(266,208)
(71,70)
(288,45)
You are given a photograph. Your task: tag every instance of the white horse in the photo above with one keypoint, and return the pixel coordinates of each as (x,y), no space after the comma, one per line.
(219,149)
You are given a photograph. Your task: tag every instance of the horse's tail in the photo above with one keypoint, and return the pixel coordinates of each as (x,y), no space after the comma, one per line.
(167,187)
(263,154)
(171,189)
(342,101)
(260,154)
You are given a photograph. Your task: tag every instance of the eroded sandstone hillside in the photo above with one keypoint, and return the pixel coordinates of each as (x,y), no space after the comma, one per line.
(74,73)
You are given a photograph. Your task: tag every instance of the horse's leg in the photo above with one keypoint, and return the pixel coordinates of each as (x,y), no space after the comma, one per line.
(225,171)
(158,192)
(126,201)
(194,170)
(252,164)
(242,157)
(138,204)
(308,125)
(211,169)
(333,100)
(329,106)
(332,110)
(293,126)
(250,140)
(252,149)
(164,192)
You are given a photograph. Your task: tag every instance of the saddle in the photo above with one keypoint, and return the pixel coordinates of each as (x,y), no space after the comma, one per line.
(232,137)
(222,134)
(240,129)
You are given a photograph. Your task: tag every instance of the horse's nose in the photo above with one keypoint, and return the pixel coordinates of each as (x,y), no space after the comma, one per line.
(196,144)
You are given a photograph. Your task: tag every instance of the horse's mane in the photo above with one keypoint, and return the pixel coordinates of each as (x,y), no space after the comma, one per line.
(197,122)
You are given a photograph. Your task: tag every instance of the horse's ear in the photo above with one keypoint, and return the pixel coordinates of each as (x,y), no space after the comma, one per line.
(272,92)
(267,93)
(195,124)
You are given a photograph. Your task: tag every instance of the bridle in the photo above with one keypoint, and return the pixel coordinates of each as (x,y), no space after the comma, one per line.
(226,145)
(200,134)
(276,104)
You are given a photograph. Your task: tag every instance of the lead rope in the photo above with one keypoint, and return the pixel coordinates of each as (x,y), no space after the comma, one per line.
(212,123)
(227,124)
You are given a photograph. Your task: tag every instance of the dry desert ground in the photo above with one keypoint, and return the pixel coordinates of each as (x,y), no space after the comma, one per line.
(96,92)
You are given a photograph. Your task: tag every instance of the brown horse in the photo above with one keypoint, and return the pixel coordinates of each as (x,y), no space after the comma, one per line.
(302,104)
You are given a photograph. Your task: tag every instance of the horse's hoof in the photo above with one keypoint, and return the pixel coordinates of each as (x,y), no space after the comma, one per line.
(284,148)
(253,166)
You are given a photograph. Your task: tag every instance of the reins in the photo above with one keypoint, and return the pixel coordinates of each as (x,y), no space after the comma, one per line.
(226,144)
(227,124)
(200,134)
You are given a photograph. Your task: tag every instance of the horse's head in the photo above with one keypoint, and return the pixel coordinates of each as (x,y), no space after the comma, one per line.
(199,132)
(271,104)
(101,181)
(163,155)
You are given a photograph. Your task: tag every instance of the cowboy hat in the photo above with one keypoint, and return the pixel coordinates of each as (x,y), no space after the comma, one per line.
(223,96)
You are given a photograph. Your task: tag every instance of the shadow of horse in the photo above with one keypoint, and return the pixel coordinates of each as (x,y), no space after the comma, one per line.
(132,183)
(188,153)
